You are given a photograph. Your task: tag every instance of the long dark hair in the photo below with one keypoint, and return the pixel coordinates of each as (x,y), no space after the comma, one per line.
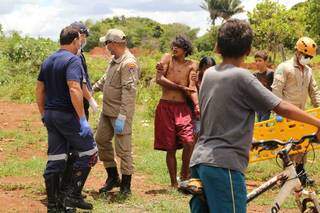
(204,64)
(184,43)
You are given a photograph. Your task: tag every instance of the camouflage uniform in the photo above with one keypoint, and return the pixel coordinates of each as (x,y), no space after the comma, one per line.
(119,86)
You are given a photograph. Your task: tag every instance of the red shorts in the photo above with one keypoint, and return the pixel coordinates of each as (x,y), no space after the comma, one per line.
(173,125)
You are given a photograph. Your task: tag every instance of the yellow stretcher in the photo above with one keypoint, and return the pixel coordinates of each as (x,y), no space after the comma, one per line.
(283,130)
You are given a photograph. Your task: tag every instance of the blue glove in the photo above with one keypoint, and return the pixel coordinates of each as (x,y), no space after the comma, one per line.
(119,124)
(279,118)
(85,129)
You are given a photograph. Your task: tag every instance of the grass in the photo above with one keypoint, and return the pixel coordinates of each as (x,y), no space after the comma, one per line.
(148,162)
(22,168)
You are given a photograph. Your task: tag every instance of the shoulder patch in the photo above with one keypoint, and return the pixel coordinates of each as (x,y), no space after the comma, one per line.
(131,67)
(279,70)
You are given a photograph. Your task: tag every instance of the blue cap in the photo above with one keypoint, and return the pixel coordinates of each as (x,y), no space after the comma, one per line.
(82,28)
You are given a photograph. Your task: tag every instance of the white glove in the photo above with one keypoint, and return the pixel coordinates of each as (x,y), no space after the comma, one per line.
(94,105)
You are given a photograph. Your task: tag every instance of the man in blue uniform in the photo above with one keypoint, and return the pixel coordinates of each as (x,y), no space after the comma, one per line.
(88,100)
(60,102)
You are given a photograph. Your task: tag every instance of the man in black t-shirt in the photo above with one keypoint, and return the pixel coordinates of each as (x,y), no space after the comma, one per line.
(87,91)
(265,76)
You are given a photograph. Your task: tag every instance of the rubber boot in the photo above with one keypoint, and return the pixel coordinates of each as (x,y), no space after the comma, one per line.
(67,174)
(303,176)
(52,182)
(112,181)
(74,198)
(65,184)
(125,185)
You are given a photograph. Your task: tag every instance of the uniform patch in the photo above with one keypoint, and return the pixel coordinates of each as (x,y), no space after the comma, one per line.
(131,67)
(279,71)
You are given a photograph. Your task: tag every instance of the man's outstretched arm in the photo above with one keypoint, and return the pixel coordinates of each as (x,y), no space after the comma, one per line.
(290,111)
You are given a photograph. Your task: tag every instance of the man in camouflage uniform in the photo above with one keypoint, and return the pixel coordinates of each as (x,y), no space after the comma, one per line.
(293,82)
(119,86)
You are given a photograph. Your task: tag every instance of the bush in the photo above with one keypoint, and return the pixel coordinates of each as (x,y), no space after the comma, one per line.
(20,60)
(28,51)
(149,97)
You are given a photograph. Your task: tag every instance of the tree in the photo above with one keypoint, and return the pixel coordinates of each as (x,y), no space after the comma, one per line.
(141,32)
(207,41)
(1,31)
(275,27)
(222,8)
(157,31)
(172,30)
(313,18)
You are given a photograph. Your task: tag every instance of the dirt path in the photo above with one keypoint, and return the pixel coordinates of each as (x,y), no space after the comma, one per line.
(25,194)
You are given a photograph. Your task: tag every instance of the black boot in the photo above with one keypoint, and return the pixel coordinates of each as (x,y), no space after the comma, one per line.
(125,185)
(303,176)
(74,198)
(67,174)
(52,182)
(112,181)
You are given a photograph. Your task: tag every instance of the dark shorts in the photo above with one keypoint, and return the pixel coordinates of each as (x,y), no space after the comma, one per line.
(173,125)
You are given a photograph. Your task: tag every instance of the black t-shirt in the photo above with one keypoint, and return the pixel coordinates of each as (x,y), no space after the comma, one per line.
(56,70)
(266,78)
(85,69)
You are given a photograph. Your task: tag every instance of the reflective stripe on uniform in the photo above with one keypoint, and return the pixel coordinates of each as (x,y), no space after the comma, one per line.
(57,157)
(232,192)
(89,152)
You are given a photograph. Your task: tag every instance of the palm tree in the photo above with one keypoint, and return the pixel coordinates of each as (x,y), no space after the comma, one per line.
(222,8)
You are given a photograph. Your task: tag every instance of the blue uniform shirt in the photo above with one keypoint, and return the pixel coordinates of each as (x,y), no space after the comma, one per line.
(56,70)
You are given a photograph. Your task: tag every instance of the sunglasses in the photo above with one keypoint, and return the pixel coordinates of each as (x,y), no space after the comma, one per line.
(107,42)
(307,56)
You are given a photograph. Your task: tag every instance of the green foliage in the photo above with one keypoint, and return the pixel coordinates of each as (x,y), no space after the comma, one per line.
(28,51)
(207,41)
(1,30)
(312,8)
(273,25)
(96,67)
(171,31)
(20,61)
(141,32)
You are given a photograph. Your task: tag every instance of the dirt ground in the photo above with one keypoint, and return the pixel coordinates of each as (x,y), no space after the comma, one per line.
(19,194)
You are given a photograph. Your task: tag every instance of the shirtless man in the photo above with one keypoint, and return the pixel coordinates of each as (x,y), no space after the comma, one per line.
(173,120)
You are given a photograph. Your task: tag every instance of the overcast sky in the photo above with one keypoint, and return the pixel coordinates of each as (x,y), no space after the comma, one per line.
(46,18)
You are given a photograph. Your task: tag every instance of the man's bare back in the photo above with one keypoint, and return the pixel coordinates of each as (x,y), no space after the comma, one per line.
(179,73)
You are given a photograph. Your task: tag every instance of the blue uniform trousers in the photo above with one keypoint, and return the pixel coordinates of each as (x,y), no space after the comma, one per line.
(63,132)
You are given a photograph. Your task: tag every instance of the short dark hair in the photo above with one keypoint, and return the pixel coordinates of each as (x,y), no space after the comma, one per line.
(206,62)
(234,38)
(68,34)
(261,54)
(184,43)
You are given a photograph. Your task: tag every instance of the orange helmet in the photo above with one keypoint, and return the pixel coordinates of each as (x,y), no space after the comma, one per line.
(306,46)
